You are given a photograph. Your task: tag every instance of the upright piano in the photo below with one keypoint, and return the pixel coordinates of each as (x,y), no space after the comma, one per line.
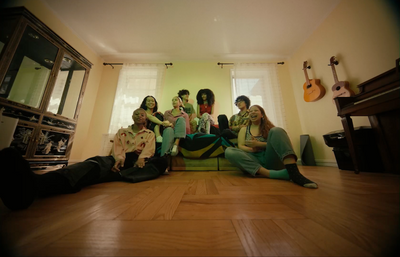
(379,99)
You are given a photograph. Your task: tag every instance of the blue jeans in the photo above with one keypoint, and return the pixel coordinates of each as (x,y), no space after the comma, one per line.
(278,147)
(169,135)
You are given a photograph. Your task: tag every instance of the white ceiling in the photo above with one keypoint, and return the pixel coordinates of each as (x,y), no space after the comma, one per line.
(192,30)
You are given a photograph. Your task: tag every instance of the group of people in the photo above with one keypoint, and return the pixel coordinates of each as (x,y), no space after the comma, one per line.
(263,150)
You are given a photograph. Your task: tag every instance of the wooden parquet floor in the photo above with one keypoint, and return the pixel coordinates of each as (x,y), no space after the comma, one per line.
(214,214)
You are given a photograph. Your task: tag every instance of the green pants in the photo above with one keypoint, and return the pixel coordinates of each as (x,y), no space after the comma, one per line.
(278,147)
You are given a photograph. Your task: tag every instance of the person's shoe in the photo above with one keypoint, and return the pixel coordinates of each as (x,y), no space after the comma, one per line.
(174,150)
(166,172)
(159,139)
(17,181)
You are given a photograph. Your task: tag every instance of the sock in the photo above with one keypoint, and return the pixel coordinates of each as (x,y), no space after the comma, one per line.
(298,178)
(279,174)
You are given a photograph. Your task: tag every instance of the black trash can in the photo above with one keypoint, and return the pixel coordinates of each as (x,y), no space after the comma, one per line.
(366,147)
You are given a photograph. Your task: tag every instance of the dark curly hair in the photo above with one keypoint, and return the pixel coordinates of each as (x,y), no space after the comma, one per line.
(245,99)
(210,96)
(143,104)
(183,92)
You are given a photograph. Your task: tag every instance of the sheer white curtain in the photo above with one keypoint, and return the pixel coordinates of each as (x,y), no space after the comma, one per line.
(135,82)
(260,82)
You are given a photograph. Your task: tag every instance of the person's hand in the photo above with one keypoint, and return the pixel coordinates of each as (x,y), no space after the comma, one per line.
(140,163)
(166,123)
(251,143)
(118,164)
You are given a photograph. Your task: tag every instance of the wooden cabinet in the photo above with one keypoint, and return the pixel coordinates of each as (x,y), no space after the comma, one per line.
(43,81)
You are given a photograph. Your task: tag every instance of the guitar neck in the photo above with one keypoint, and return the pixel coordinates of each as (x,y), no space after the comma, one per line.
(334,73)
(306,75)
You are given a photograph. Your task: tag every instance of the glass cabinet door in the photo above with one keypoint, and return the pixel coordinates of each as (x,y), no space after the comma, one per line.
(6,31)
(67,88)
(27,76)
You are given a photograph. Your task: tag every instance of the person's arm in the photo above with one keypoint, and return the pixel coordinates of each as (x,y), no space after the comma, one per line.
(256,145)
(193,115)
(149,145)
(118,150)
(169,119)
(249,145)
(235,128)
(187,123)
(198,111)
(242,141)
(154,119)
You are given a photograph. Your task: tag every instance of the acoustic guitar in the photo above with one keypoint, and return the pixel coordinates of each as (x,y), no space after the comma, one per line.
(313,90)
(340,88)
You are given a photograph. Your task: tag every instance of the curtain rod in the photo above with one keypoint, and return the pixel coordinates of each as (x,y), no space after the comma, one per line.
(118,63)
(231,63)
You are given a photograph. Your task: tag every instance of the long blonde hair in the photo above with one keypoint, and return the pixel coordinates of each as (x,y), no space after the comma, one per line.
(265,124)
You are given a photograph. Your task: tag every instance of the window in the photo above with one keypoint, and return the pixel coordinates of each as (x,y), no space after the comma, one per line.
(260,83)
(136,81)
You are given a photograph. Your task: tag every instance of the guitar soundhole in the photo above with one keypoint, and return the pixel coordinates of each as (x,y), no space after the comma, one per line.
(337,88)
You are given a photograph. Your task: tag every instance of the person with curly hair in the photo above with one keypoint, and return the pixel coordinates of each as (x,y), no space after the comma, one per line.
(205,109)
(266,150)
(231,129)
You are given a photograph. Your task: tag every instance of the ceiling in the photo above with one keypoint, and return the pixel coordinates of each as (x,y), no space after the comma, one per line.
(192,30)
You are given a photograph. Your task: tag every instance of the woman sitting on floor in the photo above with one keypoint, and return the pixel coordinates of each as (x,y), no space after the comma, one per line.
(266,150)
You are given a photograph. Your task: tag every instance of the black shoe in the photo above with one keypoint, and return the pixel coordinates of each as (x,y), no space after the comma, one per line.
(161,163)
(17,181)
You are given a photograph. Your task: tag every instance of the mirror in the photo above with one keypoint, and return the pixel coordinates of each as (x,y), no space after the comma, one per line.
(65,95)
(29,71)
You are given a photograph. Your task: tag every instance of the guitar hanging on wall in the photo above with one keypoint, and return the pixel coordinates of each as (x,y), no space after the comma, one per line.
(313,90)
(340,88)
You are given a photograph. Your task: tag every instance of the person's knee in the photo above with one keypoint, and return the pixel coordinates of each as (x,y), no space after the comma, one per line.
(205,115)
(168,131)
(222,117)
(276,131)
(230,153)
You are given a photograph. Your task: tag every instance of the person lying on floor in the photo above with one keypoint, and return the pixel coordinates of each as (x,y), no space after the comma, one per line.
(266,150)
(131,160)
